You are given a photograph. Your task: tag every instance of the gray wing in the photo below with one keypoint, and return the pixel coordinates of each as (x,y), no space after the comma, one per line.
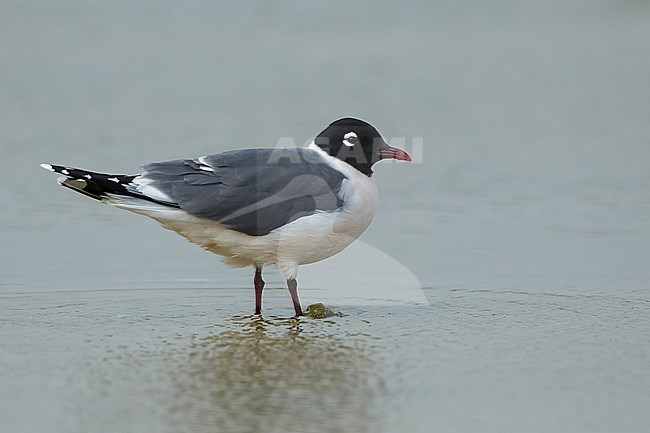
(251,191)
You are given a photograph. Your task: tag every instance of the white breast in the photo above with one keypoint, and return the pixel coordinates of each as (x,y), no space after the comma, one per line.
(319,236)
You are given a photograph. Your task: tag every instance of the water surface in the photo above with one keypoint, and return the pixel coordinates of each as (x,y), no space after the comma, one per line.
(503,285)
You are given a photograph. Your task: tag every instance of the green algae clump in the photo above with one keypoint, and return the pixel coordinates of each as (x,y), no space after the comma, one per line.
(320,311)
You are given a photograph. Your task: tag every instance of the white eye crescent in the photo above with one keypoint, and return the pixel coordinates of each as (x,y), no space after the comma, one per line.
(350,139)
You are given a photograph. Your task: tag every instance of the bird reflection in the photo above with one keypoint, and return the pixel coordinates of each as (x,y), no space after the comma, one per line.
(270,374)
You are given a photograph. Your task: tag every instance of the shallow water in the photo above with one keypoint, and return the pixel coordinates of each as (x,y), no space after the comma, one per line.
(503,285)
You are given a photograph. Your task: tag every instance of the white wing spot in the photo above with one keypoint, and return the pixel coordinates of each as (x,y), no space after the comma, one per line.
(114,179)
(87,176)
(64,171)
(144,185)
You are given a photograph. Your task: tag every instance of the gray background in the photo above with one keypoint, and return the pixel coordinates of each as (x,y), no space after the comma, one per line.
(512,287)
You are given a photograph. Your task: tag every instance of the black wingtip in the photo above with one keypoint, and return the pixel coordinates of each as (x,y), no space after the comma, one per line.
(99,185)
(58,169)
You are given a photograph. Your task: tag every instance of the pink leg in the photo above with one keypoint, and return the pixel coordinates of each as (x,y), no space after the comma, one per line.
(292,284)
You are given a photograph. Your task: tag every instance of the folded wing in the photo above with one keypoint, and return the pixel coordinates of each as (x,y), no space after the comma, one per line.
(251,191)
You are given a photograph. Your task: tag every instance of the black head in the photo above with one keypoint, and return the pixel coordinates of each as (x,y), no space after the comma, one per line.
(358,143)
